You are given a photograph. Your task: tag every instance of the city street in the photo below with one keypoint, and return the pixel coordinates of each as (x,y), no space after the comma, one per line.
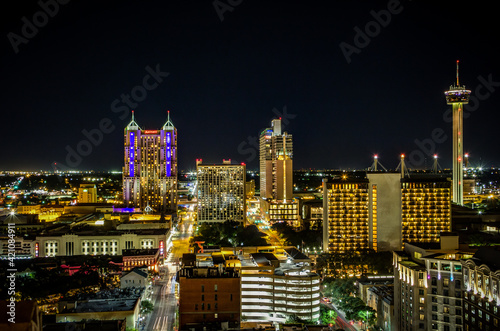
(163,316)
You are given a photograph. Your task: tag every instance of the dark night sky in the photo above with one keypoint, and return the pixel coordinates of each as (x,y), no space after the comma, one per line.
(225,79)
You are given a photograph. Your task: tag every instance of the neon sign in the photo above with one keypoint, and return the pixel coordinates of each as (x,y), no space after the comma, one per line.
(150,131)
(161,247)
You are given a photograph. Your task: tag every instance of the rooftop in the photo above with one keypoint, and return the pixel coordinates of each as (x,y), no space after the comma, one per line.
(385,292)
(208,272)
(489,256)
(139,252)
(104,301)
(295,254)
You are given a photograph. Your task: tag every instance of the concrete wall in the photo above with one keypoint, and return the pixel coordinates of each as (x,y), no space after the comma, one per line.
(388,209)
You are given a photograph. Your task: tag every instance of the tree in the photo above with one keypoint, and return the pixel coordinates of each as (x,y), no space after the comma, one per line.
(146,307)
(367,315)
(327,315)
(294,319)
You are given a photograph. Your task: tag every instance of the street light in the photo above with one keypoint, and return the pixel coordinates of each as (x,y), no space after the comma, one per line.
(366,326)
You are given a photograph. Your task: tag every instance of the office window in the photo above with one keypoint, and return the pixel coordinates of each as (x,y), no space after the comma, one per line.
(216,297)
(208,306)
(196,307)
(202,306)
(203,297)
(215,287)
(203,288)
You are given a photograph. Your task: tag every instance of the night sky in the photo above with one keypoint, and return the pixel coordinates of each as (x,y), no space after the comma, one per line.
(227,79)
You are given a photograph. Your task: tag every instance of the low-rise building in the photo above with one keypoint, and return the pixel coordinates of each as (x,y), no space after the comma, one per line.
(115,304)
(269,293)
(209,295)
(381,299)
(134,278)
(134,258)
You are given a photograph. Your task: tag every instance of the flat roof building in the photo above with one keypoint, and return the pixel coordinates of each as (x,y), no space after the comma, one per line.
(221,192)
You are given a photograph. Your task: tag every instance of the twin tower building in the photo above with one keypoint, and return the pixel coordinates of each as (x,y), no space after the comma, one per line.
(150,169)
(150,176)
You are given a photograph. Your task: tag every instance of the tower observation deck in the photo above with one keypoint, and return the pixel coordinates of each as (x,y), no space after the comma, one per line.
(457,96)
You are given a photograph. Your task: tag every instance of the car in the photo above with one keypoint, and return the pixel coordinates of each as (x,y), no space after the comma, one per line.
(325,299)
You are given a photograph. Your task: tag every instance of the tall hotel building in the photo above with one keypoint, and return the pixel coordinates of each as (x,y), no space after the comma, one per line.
(221,192)
(276,174)
(383,211)
(150,171)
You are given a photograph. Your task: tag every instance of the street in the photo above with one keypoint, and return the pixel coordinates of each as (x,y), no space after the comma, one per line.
(164,314)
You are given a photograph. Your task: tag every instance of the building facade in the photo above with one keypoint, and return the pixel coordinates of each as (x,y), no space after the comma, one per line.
(150,170)
(346,208)
(221,192)
(426,209)
(384,211)
(209,295)
(105,243)
(269,294)
(481,275)
(276,175)
(428,286)
(87,193)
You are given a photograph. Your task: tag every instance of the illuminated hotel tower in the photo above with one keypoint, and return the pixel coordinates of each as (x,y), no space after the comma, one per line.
(276,175)
(150,171)
(276,167)
(457,96)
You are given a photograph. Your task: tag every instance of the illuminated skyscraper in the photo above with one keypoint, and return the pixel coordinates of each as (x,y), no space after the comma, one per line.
(276,175)
(221,192)
(150,171)
(276,167)
(457,96)
(383,211)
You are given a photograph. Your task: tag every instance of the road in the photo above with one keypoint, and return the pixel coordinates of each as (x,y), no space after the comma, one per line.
(264,227)
(164,314)
(341,322)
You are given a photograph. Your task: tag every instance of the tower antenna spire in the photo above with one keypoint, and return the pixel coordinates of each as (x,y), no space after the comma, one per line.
(132,115)
(458,84)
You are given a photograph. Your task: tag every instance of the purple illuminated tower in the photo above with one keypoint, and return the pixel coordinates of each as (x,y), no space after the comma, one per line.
(150,170)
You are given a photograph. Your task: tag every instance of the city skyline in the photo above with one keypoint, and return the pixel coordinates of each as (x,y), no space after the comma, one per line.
(225,79)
